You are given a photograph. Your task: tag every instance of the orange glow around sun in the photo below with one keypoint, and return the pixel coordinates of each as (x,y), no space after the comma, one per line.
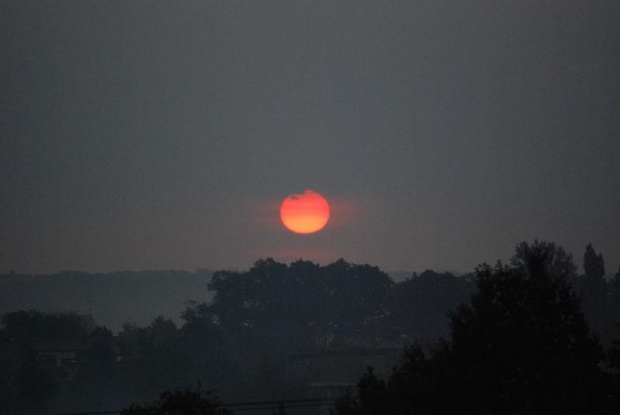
(307,212)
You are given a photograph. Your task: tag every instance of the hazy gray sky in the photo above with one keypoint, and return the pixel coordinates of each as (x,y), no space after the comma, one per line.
(158,135)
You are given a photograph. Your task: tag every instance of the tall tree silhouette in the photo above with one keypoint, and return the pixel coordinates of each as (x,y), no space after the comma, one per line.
(524,343)
(593,288)
(593,264)
(522,346)
(546,256)
(615,300)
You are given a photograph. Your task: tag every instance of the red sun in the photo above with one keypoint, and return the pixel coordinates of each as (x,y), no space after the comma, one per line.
(307,212)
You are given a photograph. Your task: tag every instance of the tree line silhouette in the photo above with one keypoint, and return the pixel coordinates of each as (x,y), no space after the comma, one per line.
(521,346)
(518,340)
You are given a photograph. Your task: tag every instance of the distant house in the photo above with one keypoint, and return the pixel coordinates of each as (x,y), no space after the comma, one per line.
(328,373)
(60,358)
(10,365)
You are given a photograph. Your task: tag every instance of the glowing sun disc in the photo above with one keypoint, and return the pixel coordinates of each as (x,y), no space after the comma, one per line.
(307,212)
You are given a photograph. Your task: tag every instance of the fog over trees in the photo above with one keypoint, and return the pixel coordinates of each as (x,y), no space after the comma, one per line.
(112,298)
(532,336)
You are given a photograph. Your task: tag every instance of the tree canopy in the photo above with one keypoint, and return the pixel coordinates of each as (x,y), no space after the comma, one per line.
(181,402)
(311,303)
(521,346)
(27,326)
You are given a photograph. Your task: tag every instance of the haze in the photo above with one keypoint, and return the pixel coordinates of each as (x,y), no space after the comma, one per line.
(163,135)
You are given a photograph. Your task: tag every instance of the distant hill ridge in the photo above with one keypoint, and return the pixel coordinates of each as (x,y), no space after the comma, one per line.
(112,298)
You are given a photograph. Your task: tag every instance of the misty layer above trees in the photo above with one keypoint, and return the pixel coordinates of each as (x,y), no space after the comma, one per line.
(113,298)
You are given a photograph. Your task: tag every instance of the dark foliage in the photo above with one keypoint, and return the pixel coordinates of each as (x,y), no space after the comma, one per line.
(313,305)
(29,326)
(522,332)
(593,289)
(593,264)
(181,402)
(522,346)
(421,303)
